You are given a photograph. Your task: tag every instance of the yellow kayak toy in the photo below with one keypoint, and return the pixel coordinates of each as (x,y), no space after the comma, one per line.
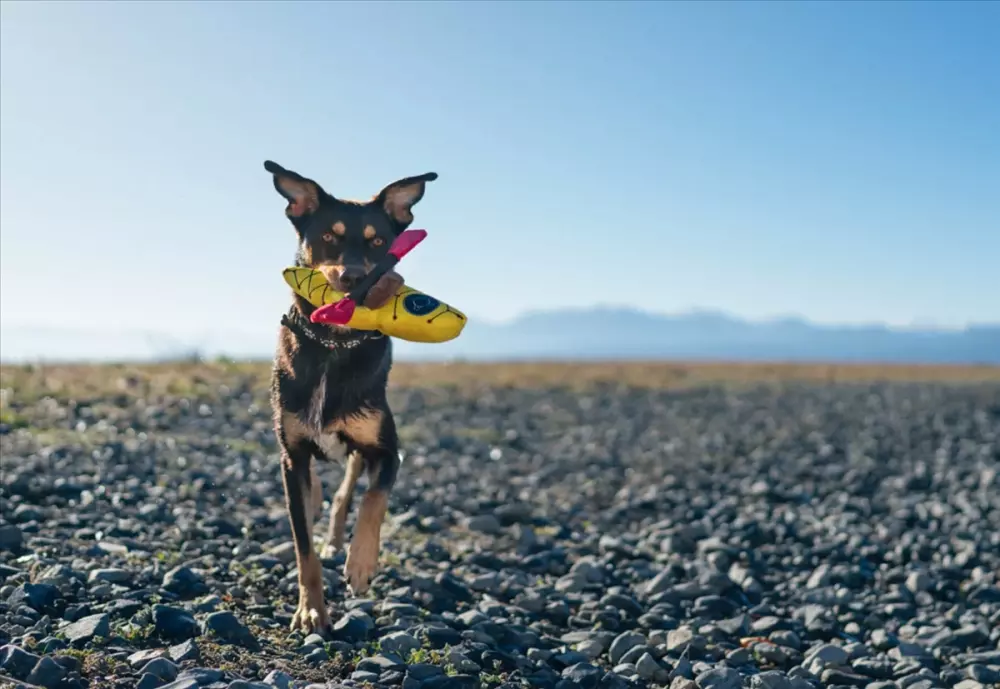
(409,315)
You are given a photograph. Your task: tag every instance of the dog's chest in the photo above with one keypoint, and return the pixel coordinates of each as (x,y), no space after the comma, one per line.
(360,426)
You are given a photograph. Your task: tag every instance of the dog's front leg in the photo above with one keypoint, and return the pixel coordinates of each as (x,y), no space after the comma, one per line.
(362,559)
(311,614)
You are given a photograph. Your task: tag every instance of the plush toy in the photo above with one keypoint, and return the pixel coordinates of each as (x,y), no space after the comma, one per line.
(409,315)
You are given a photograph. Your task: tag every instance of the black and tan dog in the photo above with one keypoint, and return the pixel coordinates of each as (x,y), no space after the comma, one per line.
(328,389)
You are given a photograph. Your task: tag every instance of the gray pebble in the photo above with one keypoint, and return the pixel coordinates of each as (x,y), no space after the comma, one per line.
(11,537)
(149,681)
(279,679)
(109,576)
(647,668)
(624,643)
(185,683)
(772,679)
(162,668)
(363,676)
(225,626)
(969,684)
(918,582)
(719,678)
(484,523)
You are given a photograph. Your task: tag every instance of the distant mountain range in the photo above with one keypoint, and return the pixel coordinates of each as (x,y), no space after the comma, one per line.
(596,333)
(617,333)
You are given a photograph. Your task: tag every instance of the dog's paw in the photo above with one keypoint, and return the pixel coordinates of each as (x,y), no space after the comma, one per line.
(330,550)
(311,615)
(360,568)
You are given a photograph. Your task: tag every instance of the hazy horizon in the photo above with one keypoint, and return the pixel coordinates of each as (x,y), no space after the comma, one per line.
(571,334)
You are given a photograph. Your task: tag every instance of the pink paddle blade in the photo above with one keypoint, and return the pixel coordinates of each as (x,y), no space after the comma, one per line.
(405,242)
(338,313)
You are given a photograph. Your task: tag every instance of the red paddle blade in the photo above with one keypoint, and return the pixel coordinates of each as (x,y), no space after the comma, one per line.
(406,241)
(338,313)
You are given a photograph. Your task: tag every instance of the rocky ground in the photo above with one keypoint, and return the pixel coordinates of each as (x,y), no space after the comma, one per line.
(778,537)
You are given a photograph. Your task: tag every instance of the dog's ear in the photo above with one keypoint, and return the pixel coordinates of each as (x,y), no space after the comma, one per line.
(302,194)
(399,197)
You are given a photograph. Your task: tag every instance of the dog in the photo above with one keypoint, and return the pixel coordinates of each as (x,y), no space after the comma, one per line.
(328,384)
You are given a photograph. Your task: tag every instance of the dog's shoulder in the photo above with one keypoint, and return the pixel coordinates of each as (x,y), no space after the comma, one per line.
(295,372)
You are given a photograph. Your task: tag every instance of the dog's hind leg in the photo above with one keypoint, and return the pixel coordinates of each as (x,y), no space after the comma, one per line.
(296,453)
(341,504)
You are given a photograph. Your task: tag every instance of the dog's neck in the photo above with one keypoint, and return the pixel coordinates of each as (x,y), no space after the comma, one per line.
(330,337)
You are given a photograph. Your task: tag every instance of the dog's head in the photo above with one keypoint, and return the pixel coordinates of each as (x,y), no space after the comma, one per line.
(345,239)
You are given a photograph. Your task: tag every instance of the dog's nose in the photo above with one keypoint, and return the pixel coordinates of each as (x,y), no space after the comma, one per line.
(351,277)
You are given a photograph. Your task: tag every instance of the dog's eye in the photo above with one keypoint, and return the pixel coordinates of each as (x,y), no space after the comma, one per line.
(328,237)
(378,241)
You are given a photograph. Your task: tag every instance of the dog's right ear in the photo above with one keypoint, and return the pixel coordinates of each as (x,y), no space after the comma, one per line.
(302,194)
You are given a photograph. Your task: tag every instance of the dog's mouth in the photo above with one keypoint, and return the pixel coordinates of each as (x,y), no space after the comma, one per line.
(343,280)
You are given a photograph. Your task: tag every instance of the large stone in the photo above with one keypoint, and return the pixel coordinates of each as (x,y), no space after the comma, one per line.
(47,673)
(17,662)
(84,631)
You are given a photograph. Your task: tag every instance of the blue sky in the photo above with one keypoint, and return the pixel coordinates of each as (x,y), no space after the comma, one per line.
(834,161)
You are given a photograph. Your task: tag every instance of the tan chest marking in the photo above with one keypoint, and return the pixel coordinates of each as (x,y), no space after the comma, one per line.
(362,428)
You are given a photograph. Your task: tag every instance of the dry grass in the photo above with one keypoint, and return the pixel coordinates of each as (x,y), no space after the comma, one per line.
(667,374)
(26,383)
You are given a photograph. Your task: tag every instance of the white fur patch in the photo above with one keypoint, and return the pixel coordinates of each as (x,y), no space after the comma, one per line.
(314,414)
(330,445)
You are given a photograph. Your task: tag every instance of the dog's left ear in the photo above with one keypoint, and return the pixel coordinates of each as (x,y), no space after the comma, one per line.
(399,197)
